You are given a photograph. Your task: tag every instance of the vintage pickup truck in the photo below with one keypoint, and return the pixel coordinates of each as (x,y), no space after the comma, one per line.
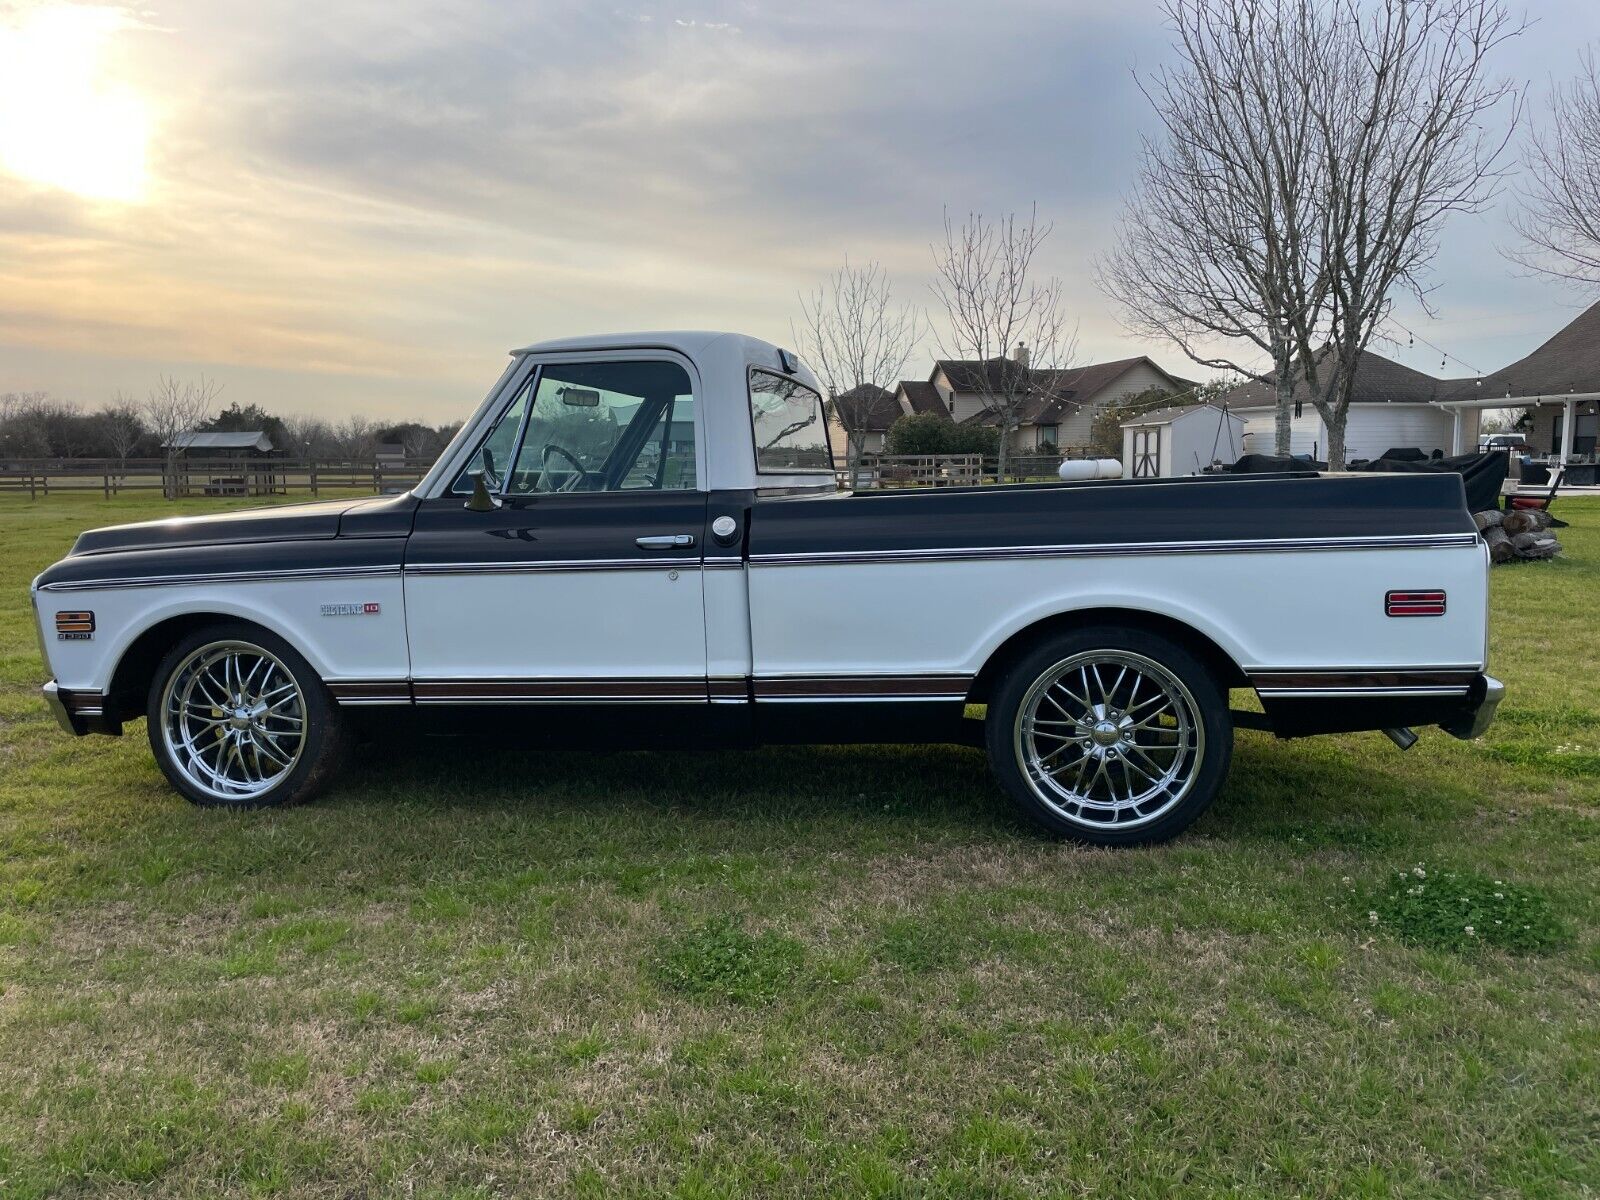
(641,535)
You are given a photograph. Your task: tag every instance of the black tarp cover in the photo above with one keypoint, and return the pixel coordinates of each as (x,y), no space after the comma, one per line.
(1482,474)
(1268,464)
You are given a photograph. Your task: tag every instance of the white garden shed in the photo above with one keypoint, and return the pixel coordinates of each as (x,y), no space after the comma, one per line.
(1166,442)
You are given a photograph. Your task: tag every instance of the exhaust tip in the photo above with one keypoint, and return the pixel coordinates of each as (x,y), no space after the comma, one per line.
(1401,736)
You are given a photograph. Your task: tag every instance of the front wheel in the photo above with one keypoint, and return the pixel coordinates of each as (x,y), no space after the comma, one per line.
(238,719)
(1111,736)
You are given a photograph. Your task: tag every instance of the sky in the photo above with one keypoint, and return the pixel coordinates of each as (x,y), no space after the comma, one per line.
(358,206)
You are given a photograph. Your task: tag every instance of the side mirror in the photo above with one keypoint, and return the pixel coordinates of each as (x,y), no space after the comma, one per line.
(481,500)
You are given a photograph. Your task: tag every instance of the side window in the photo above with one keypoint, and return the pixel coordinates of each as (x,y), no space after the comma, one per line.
(606,427)
(790,432)
(494,455)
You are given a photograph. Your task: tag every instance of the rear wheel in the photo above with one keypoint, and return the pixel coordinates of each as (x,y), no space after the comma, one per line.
(1111,736)
(238,719)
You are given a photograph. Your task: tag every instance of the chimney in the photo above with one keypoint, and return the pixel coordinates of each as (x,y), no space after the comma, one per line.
(1020,355)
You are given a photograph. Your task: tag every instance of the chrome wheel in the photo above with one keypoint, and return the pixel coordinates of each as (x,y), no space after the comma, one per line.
(233,720)
(1109,739)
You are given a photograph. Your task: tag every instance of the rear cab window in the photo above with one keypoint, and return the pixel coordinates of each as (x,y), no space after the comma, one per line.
(786,419)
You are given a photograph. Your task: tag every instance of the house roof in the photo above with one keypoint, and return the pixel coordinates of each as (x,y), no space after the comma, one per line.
(1568,362)
(254,439)
(1378,380)
(923,397)
(866,409)
(1166,416)
(1055,393)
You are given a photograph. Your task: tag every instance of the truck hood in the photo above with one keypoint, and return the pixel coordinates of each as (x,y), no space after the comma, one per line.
(384,516)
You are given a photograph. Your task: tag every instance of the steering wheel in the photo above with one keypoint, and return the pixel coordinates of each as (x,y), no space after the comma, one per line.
(573,480)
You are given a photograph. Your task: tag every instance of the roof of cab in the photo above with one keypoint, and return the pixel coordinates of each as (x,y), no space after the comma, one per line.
(685,341)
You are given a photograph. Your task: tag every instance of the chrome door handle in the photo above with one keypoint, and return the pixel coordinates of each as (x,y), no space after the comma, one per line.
(665,541)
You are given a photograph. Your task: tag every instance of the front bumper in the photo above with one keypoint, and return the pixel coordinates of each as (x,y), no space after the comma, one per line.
(79,713)
(58,709)
(1479,713)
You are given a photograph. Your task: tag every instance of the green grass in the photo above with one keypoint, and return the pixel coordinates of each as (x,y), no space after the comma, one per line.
(475,971)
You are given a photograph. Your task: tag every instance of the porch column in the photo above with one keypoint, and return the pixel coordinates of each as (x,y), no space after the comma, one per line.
(1567,407)
(1455,432)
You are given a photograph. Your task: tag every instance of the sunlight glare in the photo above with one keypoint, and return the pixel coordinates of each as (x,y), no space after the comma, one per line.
(62,123)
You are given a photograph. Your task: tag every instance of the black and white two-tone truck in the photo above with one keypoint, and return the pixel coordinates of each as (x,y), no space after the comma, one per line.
(639,537)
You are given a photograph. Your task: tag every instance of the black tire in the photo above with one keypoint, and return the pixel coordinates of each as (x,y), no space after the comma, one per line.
(1047,784)
(181,751)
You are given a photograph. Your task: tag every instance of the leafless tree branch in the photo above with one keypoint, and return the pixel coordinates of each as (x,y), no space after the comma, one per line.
(854,335)
(994,303)
(1560,218)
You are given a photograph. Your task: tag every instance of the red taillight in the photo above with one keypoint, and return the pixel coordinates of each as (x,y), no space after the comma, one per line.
(1414,604)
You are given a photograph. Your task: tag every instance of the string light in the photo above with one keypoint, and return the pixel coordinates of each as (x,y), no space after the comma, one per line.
(1445,357)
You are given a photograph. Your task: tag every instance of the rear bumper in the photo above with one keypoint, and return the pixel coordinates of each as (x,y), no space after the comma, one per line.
(1479,714)
(1462,703)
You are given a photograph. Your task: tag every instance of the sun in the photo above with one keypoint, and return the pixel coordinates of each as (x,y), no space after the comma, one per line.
(63,123)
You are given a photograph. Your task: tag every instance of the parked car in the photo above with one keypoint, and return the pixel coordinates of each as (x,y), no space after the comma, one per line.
(1514,443)
(639,537)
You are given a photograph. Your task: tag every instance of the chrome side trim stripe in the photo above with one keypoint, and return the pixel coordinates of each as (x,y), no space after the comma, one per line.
(133,581)
(1119,549)
(544,566)
(1356,693)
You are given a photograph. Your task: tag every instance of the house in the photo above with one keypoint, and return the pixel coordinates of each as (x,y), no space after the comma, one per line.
(1058,413)
(1559,385)
(1061,404)
(1391,405)
(864,413)
(1180,441)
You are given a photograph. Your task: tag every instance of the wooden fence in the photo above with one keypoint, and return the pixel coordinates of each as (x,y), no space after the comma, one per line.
(208,477)
(946,470)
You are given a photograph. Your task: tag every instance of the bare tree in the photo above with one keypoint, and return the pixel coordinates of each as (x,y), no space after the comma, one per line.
(173,408)
(999,313)
(122,425)
(1560,220)
(357,437)
(1216,250)
(309,436)
(855,336)
(1407,119)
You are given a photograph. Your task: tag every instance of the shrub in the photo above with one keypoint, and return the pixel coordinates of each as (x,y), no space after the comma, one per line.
(1459,910)
(929,433)
(720,960)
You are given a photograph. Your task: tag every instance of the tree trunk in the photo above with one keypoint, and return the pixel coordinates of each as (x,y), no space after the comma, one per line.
(1283,435)
(1000,466)
(1336,437)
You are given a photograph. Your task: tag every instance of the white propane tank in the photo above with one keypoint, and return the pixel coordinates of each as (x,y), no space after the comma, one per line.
(1078,469)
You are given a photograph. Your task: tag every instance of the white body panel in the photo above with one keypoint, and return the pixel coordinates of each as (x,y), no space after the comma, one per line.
(520,625)
(1321,609)
(338,648)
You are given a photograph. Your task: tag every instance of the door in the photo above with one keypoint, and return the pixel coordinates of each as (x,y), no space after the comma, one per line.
(575,575)
(1147,453)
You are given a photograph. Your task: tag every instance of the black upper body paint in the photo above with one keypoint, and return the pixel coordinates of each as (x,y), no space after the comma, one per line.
(394,531)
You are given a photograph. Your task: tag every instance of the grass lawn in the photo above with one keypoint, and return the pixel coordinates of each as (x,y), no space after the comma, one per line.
(473,971)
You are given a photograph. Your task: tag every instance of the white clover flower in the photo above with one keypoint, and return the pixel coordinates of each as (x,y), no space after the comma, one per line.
(1419,872)
(1499,895)
(1372,918)
(1471,932)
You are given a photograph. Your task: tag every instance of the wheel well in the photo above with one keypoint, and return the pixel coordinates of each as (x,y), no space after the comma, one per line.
(130,682)
(1214,656)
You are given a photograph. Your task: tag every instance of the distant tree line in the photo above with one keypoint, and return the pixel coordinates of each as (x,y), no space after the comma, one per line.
(39,425)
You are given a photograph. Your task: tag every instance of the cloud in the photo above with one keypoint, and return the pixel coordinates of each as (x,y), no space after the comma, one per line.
(399,189)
